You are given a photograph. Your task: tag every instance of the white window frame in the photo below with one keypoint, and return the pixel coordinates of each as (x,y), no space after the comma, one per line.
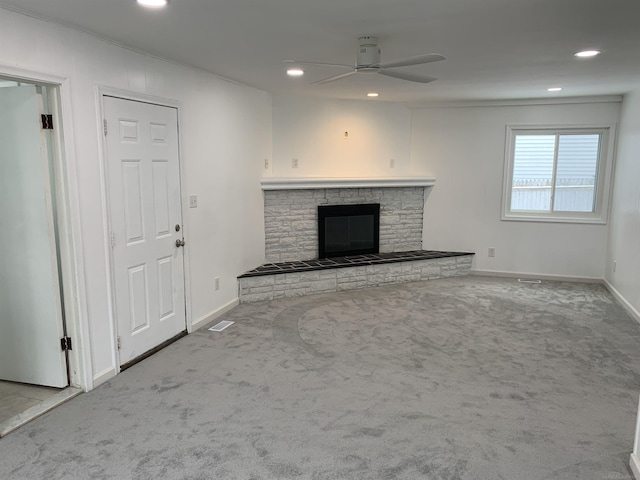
(603,181)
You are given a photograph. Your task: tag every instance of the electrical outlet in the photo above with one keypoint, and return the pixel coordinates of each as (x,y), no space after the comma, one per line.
(614,265)
(193,201)
(392,163)
(294,163)
(216,281)
(492,251)
(266,163)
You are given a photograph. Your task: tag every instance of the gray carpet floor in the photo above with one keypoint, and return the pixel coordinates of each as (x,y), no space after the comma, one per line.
(462,378)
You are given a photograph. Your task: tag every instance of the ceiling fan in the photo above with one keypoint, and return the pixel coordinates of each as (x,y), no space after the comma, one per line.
(368,61)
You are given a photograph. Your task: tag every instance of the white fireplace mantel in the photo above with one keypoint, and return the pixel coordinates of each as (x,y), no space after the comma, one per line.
(305,183)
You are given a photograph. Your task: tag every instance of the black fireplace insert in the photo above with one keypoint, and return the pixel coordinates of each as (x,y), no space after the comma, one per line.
(348,230)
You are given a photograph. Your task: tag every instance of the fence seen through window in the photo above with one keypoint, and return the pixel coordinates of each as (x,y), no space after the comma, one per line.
(555,172)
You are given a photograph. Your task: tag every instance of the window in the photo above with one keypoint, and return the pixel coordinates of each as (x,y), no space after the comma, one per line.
(557,174)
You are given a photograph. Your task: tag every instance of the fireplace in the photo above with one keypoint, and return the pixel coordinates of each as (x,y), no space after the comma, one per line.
(291,216)
(348,230)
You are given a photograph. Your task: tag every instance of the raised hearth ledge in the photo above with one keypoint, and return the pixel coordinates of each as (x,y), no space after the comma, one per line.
(323,182)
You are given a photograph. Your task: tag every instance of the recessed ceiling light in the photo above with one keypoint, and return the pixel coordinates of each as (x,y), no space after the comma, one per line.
(295,72)
(587,53)
(153,3)
(554,89)
(372,94)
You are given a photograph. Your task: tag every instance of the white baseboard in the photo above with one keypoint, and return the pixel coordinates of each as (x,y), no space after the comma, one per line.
(634,463)
(105,375)
(624,302)
(535,276)
(564,278)
(202,321)
(108,373)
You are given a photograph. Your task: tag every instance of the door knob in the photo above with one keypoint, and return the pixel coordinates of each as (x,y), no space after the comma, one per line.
(179,243)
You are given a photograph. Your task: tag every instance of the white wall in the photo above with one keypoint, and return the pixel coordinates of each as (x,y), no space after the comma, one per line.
(624,231)
(313,131)
(225,136)
(624,236)
(464,149)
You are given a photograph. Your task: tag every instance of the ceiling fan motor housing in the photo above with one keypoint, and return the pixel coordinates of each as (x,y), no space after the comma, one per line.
(369,52)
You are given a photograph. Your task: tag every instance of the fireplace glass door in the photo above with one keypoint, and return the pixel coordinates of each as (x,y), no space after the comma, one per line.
(348,230)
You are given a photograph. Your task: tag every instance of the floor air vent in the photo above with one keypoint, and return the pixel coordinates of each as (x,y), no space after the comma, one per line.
(221,326)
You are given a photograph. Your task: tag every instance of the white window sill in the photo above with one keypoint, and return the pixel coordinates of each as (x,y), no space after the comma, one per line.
(591,220)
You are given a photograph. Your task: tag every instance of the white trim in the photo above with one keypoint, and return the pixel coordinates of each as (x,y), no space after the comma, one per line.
(41,408)
(535,276)
(72,262)
(519,217)
(634,463)
(186,254)
(323,182)
(30,76)
(631,310)
(77,316)
(604,177)
(104,376)
(136,97)
(202,321)
(519,102)
(102,160)
(637,439)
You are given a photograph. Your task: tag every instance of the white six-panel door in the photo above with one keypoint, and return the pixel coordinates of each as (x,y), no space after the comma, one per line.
(143,177)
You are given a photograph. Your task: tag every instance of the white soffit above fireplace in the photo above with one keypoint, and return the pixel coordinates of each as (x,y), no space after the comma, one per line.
(323,182)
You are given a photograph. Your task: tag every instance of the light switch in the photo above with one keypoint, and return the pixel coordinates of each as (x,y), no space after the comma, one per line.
(193,201)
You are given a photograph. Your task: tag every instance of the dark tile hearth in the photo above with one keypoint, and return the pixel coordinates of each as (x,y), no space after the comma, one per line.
(294,231)
(350,261)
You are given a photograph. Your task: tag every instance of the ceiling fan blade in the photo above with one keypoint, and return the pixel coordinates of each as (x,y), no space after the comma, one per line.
(412,77)
(334,78)
(418,60)
(302,62)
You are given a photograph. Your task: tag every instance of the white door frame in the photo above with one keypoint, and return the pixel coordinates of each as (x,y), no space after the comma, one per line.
(68,218)
(101,92)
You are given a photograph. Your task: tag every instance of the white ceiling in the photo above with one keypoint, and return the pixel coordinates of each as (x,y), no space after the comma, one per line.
(495,49)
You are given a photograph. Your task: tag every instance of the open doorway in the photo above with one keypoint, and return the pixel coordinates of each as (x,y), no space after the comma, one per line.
(34,345)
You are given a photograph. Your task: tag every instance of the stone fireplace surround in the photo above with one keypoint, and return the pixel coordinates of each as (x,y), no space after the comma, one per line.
(291,217)
(291,238)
